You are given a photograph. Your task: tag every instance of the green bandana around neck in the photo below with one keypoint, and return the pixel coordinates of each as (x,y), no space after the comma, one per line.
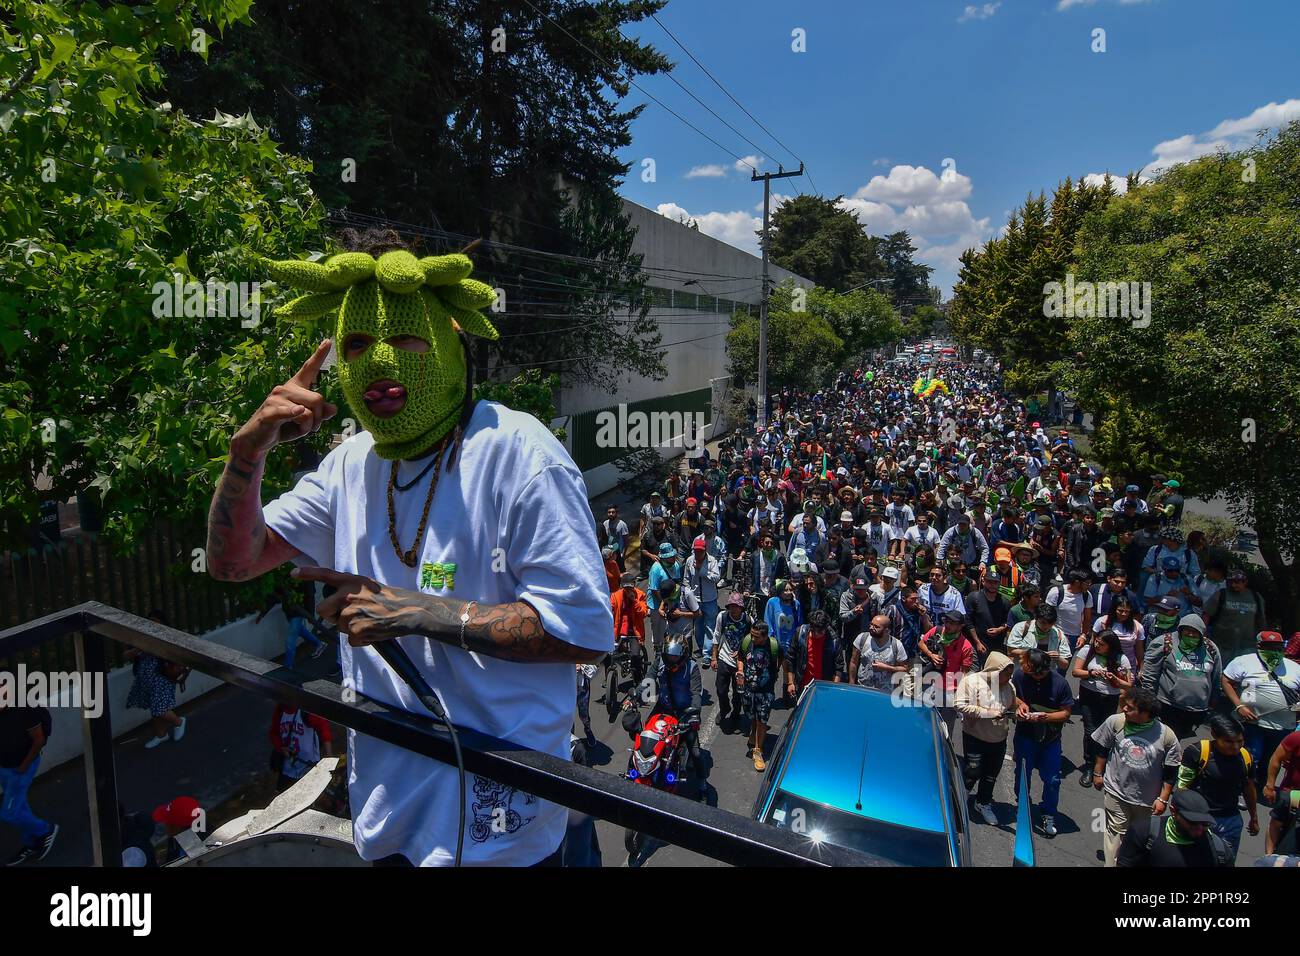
(395,295)
(1132,727)
(1175,835)
(1272,659)
(1166,620)
(945,638)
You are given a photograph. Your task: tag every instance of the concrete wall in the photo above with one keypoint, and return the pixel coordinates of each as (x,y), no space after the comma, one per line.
(667,244)
(261,640)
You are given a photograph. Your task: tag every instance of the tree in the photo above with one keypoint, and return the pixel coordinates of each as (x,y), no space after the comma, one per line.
(910,285)
(469,119)
(1000,302)
(1210,385)
(802,347)
(813,237)
(110,198)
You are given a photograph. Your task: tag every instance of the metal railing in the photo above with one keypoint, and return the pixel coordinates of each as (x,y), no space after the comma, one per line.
(695,826)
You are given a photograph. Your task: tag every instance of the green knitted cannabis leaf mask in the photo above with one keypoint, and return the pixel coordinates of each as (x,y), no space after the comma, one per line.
(397,294)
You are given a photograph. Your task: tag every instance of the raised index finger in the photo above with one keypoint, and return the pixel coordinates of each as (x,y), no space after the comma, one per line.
(306,376)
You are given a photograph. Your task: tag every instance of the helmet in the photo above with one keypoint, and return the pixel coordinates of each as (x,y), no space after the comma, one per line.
(674,653)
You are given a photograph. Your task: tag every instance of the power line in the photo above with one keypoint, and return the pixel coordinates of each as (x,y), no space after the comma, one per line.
(641,89)
(719,85)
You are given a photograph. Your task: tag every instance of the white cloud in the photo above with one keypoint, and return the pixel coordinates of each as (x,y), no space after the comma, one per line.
(979,12)
(734,228)
(882,161)
(1228,135)
(1067,4)
(1117,183)
(915,185)
(713,170)
(744,164)
(931,208)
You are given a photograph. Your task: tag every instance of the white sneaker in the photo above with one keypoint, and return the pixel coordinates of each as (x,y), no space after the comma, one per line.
(179,731)
(154,742)
(1049,825)
(986,811)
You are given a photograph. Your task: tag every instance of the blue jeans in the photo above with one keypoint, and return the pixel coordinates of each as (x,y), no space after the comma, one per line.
(1046,759)
(14,809)
(704,625)
(297,628)
(1229,830)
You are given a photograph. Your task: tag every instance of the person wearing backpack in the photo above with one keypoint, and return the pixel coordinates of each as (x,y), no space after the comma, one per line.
(1185,673)
(24,732)
(757,666)
(1135,766)
(1235,615)
(1264,689)
(1182,839)
(1220,769)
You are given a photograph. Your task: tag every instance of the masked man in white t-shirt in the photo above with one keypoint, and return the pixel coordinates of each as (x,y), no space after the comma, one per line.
(459,529)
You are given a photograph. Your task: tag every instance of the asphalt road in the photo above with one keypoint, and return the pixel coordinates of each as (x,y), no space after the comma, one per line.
(733,784)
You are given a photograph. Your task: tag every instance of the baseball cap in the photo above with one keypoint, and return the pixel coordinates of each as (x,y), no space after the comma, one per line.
(846,515)
(954,616)
(1171,483)
(1170,563)
(692,501)
(1191,806)
(860,582)
(628,579)
(699,544)
(1237,574)
(1168,605)
(655,494)
(889,572)
(179,813)
(1105,513)
(1269,637)
(831,567)
(992,574)
(735,600)
(1131,488)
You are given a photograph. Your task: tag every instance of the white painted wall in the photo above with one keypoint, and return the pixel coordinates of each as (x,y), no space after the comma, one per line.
(667,244)
(264,640)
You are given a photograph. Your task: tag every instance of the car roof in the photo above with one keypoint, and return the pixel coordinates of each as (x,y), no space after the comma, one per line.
(900,780)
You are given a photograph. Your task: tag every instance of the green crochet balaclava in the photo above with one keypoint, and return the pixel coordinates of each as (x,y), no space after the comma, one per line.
(396,294)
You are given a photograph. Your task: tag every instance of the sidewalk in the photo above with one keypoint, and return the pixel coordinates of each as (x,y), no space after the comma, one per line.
(222,762)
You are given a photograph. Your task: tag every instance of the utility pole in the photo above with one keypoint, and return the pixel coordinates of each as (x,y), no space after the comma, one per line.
(762,306)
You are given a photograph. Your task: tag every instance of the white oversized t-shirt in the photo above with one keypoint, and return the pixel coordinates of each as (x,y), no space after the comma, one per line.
(509,522)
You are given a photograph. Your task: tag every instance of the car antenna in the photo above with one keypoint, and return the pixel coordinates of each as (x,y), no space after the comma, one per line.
(862,769)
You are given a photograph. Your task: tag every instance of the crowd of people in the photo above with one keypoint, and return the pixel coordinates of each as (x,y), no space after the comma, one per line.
(918,521)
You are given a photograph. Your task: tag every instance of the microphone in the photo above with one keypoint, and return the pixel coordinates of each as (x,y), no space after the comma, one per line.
(397,658)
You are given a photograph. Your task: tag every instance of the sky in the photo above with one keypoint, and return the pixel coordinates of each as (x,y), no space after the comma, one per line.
(941,117)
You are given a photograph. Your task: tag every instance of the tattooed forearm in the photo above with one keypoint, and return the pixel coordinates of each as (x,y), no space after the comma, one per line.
(236,529)
(511,632)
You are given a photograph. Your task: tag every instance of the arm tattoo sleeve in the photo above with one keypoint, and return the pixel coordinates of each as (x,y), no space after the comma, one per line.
(236,529)
(511,632)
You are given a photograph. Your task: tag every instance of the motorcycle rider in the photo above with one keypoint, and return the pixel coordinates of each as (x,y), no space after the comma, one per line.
(681,692)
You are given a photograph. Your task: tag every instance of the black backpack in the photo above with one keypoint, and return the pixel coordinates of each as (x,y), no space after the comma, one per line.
(1219,849)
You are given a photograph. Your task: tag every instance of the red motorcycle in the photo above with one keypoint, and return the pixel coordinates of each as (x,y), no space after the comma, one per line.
(658,758)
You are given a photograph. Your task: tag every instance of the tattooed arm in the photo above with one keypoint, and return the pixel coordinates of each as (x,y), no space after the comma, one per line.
(367,611)
(240,546)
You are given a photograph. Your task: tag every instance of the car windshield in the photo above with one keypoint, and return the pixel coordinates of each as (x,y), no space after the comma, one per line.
(903,845)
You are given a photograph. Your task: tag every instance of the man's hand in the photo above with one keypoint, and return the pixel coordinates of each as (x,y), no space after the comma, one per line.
(1253,826)
(353,607)
(289,412)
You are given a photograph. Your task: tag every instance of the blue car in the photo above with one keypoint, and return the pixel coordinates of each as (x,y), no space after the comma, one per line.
(855,769)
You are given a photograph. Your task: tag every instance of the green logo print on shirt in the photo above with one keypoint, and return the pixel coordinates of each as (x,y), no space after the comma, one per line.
(438,575)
